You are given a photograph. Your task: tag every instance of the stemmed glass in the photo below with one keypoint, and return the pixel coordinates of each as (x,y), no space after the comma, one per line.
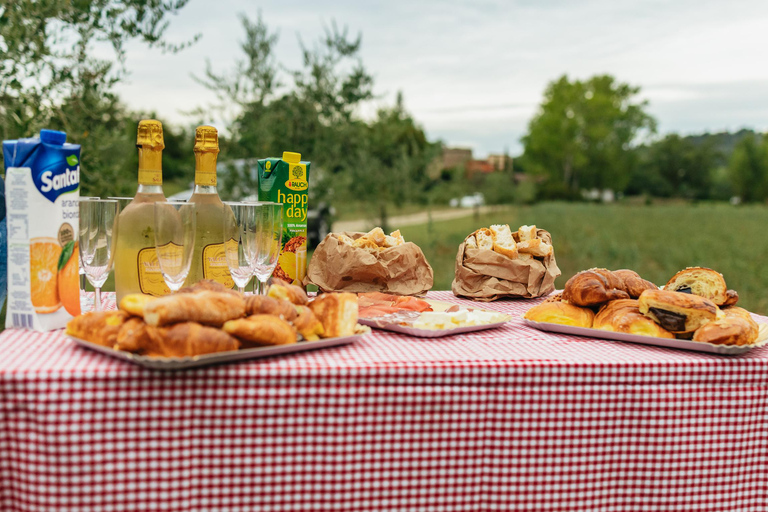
(175,224)
(96,238)
(240,242)
(269,235)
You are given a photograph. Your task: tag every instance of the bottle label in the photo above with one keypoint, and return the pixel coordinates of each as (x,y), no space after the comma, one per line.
(151,280)
(150,177)
(205,179)
(215,265)
(297,177)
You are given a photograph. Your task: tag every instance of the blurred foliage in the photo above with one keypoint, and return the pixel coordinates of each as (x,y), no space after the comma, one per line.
(748,169)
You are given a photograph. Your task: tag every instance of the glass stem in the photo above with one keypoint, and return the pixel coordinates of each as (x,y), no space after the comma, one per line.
(241,289)
(262,287)
(97,300)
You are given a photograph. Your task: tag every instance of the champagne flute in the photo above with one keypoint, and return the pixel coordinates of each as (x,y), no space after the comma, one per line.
(175,224)
(96,239)
(269,235)
(240,242)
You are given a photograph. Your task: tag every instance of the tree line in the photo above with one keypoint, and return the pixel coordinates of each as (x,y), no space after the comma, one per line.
(586,134)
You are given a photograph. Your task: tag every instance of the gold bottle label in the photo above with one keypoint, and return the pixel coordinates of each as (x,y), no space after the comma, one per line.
(150,177)
(215,265)
(151,280)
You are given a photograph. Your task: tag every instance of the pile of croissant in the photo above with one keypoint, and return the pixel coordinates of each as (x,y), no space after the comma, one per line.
(208,317)
(694,304)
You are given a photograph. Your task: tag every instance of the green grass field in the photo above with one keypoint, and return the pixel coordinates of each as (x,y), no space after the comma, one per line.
(654,240)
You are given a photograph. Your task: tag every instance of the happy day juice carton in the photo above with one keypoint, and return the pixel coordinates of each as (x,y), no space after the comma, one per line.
(42,181)
(286,180)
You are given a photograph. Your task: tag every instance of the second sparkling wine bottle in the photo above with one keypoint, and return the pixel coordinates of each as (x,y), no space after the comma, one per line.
(209,259)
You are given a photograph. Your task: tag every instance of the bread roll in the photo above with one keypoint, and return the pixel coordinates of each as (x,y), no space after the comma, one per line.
(677,312)
(503,243)
(560,313)
(624,315)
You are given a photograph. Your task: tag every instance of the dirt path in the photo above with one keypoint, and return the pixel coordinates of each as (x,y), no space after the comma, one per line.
(409,220)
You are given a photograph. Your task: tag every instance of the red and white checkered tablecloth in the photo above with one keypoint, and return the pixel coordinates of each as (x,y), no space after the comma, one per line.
(505,419)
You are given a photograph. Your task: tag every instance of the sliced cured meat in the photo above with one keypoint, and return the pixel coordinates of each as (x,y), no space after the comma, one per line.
(413,304)
(376,311)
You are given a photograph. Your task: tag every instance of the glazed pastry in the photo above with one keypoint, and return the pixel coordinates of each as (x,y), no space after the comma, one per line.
(258,330)
(560,313)
(134,303)
(307,324)
(188,339)
(678,312)
(736,328)
(97,327)
(133,336)
(624,316)
(633,284)
(265,305)
(208,285)
(593,287)
(205,307)
(337,312)
(279,289)
(703,282)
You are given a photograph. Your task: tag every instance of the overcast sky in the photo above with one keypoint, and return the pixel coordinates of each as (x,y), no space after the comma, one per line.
(473,72)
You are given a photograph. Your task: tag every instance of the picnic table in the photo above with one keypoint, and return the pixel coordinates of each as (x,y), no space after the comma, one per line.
(505,419)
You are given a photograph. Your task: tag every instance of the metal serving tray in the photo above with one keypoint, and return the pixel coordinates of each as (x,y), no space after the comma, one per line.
(183,363)
(650,340)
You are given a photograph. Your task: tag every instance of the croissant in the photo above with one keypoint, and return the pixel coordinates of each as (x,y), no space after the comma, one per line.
(262,304)
(279,289)
(133,336)
(205,307)
(633,284)
(259,330)
(703,282)
(736,328)
(134,303)
(337,312)
(97,327)
(207,285)
(624,316)
(188,339)
(307,324)
(593,287)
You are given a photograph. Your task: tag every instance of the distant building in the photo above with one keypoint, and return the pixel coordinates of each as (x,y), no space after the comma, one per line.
(456,157)
(500,162)
(478,167)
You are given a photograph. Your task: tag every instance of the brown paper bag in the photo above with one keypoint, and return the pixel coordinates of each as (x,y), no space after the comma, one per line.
(338,267)
(484,275)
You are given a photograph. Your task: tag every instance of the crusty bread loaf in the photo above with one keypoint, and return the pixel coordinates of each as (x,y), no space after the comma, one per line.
(471,241)
(484,238)
(525,233)
(535,247)
(503,243)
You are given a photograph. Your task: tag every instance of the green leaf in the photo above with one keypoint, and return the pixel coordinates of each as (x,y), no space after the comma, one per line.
(66,254)
(72,160)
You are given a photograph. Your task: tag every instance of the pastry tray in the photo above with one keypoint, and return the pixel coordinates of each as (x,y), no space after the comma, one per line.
(651,340)
(437,305)
(183,363)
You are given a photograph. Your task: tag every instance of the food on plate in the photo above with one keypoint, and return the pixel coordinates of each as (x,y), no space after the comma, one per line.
(134,303)
(374,240)
(280,289)
(188,339)
(263,304)
(703,282)
(207,285)
(261,330)
(433,320)
(205,307)
(337,312)
(736,328)
(677,312)
(624,315)
(523,244)
(100,327)
(375,304)
(307,324)
(593,288)
(133,335)
(561,313)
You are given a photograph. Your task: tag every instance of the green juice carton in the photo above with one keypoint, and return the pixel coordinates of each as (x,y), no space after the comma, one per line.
(286,180)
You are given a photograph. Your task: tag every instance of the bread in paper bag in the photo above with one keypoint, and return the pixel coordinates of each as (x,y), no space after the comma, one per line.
(370,262)
(529,270)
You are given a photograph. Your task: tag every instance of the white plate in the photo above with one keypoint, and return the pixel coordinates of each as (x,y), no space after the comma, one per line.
(650,340)
(437,305)
(182,363)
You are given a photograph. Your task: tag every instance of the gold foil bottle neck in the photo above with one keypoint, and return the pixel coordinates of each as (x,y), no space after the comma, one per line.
(150,134)
(206,140)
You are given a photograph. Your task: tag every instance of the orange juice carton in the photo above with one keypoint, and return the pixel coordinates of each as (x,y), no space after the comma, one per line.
(42,180)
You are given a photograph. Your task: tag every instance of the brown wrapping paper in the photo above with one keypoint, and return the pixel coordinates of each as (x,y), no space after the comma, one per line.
(485,275)
(338,267)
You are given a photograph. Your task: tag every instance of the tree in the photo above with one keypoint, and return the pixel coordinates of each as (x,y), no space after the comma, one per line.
(748,169)
(585,132)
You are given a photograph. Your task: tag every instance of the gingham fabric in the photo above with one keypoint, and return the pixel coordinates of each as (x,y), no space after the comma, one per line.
(504,419)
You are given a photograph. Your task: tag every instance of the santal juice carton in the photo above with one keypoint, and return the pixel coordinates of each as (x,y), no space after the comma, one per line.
(42,181)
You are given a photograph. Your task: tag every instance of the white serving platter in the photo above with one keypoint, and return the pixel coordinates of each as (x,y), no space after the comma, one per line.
(183,363)
(650,340)
(387,324)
